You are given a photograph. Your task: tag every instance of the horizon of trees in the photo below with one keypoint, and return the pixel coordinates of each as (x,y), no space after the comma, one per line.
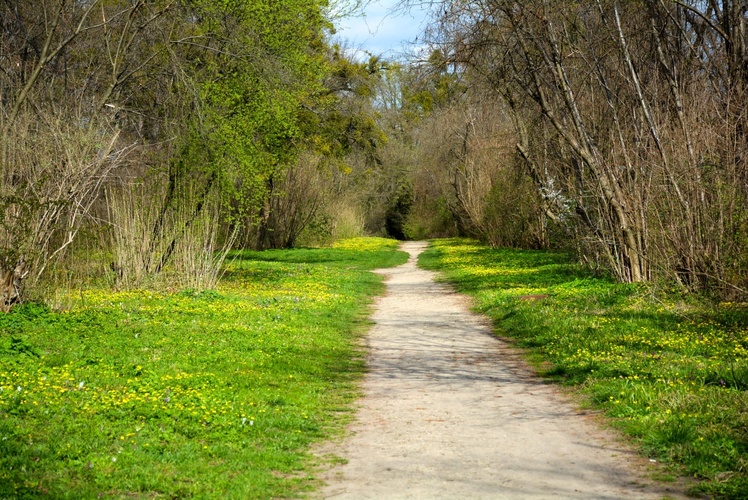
(142,141)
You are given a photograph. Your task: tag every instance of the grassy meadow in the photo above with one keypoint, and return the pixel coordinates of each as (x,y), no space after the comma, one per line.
(671,372)
(219,394)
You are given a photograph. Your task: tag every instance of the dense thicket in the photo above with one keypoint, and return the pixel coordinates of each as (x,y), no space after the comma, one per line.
(144,139)
(168,132)
(628,119)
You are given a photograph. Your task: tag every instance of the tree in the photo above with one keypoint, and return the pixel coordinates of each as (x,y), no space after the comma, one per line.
(189,106)
(617,109)
(59,143)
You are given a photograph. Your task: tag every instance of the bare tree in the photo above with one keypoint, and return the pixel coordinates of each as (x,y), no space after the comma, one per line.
(633,113)
(64,72)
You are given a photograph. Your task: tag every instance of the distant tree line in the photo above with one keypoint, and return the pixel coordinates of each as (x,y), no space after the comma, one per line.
(143,140)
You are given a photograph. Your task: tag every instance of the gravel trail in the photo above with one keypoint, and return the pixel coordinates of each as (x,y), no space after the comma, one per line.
(450,412)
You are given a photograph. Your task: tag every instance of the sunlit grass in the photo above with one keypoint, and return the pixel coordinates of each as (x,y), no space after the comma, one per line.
(671,371)
(216,394)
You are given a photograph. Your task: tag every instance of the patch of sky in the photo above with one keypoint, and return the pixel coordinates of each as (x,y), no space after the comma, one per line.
(383,28)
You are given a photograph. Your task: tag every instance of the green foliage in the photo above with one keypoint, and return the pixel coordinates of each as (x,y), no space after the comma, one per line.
(346,122)
(432,86)
(215,394)
(672,374)
(430,219)
(201,102)
(510,216)
(397,212)
(267,64)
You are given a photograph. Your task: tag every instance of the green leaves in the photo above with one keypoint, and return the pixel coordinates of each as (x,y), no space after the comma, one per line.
(265,65)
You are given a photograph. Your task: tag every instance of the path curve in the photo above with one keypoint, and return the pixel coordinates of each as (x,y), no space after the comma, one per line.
(449,411)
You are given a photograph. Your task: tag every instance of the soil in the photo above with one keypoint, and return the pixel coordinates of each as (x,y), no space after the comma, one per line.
(451,411)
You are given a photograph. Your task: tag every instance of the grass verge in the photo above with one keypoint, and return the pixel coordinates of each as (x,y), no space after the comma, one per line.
(213,395)
(671,372)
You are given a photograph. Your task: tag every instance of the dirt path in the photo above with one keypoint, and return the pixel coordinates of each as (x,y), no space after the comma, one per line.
(450,412)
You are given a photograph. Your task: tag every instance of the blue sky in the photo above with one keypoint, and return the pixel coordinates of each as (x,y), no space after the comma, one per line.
(381,30)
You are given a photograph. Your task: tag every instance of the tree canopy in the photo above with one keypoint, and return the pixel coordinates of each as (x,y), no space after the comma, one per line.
(168,132)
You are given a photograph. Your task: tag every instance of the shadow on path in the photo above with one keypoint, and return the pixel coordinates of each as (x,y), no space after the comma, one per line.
(449,412)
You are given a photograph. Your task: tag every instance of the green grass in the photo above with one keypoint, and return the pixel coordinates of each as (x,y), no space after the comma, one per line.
(670,371)
(218,394)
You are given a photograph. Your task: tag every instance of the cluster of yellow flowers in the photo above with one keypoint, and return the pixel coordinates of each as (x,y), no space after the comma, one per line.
(101,389)
(364,244)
